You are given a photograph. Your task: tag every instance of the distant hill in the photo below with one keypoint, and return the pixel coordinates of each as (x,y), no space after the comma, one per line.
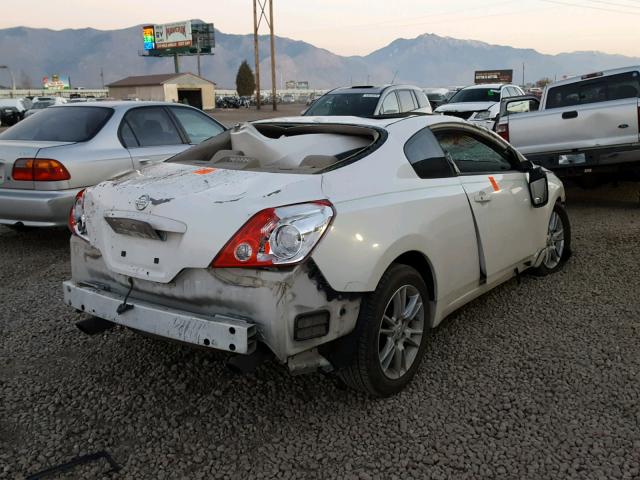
(427,60)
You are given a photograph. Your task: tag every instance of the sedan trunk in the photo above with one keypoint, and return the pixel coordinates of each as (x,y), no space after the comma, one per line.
(11,150)
(152,223)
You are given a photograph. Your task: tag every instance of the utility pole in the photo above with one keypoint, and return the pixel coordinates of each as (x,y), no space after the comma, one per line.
(256,52)
(257,19)
(102,76)
(522,74)
(176,62)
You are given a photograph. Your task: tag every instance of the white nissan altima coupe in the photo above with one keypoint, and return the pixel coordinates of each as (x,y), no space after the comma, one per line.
(333,243)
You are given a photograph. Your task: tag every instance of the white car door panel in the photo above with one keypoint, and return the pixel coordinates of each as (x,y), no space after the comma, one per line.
(499,197)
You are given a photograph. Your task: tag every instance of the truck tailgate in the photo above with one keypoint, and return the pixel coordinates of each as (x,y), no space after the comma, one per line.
(576,127)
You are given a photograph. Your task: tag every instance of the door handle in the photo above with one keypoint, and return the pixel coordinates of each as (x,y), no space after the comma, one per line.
(482,197)
(144,161)
(623,125)
(572,114)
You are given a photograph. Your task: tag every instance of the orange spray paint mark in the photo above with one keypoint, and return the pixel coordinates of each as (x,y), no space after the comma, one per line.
(204,171)
(494,184)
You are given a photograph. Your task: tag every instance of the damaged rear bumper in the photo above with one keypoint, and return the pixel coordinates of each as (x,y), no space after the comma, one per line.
(200,301)
(217,331)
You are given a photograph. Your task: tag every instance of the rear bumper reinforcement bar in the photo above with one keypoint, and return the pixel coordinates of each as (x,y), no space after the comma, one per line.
(219,332)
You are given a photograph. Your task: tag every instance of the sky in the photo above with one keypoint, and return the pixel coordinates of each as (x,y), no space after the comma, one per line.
(358,27)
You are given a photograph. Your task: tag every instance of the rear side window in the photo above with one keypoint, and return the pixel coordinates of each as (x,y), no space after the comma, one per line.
(152,127)
(390,104)
(407,102)
(423,101)
(426,156)
(197,125)
(603,89)
(61,124)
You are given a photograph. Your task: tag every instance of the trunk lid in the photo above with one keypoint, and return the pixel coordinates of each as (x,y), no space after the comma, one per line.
(11,150)
(194,210)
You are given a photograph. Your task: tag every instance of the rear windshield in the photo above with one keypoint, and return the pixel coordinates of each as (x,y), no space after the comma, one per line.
(356,104)
(60,124)
(476,95)
(603,89)
(284,148)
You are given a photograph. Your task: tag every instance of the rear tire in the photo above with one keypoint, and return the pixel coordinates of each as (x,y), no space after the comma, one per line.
(558,249)
(391,334)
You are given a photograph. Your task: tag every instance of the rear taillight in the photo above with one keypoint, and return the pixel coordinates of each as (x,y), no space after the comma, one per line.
(39,170)
(278,236)
(503,130)
(77,223)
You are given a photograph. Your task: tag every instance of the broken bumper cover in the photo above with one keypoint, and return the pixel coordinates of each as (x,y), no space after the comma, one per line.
(217,331)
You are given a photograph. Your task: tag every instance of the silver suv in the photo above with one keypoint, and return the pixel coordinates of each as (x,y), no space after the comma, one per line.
(370,101)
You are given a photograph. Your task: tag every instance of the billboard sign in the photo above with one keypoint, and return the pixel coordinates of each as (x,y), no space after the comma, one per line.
(493,76)
(149,37)
(173,35)
(55,82)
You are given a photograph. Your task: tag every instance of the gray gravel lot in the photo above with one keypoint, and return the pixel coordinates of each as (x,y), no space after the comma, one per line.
(537,381)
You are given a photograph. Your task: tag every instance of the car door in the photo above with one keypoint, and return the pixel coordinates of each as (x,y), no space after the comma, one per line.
(499,198)
(151,135)
(196,125)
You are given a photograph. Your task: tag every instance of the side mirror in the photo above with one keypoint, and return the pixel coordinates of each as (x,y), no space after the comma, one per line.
(538,187)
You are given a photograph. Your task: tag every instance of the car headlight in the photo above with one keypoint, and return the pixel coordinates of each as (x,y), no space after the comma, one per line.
(484,115)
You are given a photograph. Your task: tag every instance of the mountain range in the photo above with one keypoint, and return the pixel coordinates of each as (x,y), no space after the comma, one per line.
(427,60)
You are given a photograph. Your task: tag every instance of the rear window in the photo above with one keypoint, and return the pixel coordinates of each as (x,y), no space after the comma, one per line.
(476,95)
(356,104)
(603,89)
(60,124)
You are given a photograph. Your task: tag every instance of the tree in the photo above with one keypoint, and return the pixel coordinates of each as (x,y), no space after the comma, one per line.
(25,80)
(245,81)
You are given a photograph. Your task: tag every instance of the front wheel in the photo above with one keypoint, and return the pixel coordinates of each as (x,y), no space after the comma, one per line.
(391,334)
(558,248)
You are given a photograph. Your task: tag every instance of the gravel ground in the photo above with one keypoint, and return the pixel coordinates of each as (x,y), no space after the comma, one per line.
(537,380)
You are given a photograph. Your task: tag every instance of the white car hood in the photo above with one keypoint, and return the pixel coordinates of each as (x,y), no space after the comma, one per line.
(465,107)
(199,209)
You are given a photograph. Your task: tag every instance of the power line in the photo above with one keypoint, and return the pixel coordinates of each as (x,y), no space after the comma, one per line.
(593,7)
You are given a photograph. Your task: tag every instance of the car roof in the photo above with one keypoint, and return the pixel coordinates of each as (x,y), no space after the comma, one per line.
(362,121)
(488,85)
(370,88)
(120,104)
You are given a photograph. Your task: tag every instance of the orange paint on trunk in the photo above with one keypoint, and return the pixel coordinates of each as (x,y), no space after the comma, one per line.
(204,171)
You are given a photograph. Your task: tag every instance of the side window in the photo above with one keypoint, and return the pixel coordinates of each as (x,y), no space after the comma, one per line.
(426,156)
(198,126)
(390,104)
(152,127)
(423,101)
(602,89)
(470,154)
(126,135)
(407,103)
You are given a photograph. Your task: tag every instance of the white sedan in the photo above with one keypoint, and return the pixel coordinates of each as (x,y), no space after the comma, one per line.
(333,243)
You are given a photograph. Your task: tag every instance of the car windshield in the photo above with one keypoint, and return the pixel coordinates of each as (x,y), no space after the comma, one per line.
(476,95)
(435,96)
(42,104)
(60,124)
(356,104)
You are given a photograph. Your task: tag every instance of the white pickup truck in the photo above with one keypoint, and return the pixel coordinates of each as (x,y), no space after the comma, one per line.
(582,125)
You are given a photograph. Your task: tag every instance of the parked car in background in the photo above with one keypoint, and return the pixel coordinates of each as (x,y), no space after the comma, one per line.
(586,124)
(40,103)
(479,104)
(48,158)
(12,110)
(370,101)
(297,259)
(288,98)
(436,96)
